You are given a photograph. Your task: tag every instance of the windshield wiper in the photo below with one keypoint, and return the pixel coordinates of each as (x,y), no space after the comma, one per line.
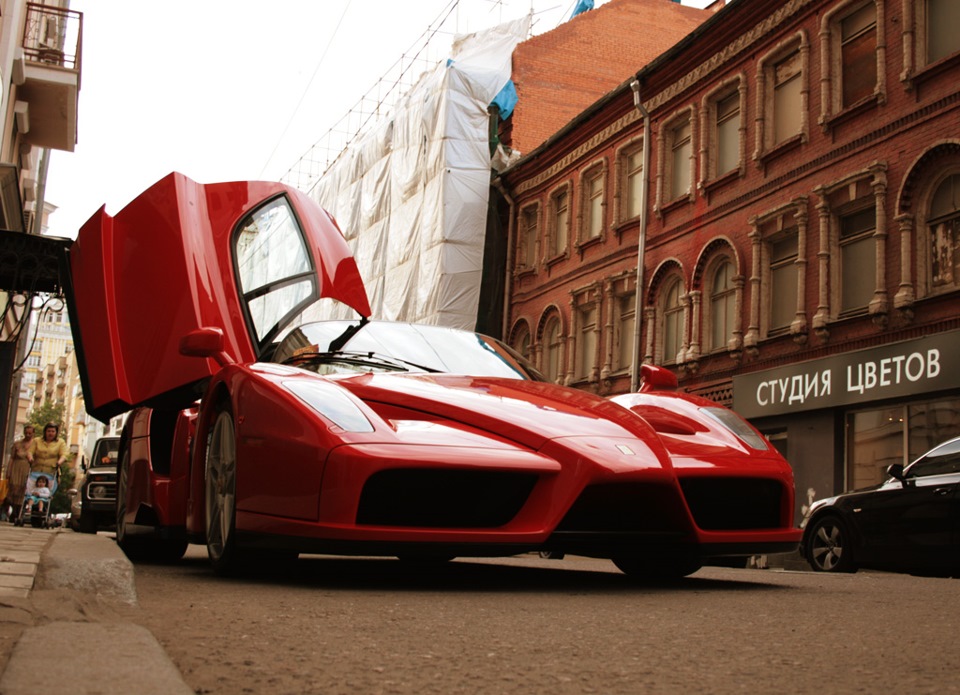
(337,343)
(357,358)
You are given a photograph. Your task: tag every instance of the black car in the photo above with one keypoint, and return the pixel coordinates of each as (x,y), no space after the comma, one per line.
(94,505)
(909,523)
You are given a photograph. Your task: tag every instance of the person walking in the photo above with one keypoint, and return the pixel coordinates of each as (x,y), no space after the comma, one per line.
(51,451)
(22,454)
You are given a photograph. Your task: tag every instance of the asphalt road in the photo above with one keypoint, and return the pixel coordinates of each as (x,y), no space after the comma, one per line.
(527,625)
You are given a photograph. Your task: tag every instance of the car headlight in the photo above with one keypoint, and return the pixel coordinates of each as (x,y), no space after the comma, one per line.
(738,426)
(331,402)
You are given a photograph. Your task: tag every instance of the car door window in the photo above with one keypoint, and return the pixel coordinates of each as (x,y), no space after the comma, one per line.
(273,267)
(943,460)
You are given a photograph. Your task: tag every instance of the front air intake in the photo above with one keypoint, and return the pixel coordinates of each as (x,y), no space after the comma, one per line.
(436,498)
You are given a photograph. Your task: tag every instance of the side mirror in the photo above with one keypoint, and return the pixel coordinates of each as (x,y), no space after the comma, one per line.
(896,471)
(205,342)
(654,378)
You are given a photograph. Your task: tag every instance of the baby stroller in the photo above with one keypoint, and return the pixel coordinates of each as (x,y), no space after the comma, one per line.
(37,498)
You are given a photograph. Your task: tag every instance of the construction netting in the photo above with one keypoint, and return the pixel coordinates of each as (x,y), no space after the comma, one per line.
(411,193)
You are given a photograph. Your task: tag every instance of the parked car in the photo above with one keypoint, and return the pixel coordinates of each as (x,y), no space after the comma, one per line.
(93,502)
(910,523)
(264,440)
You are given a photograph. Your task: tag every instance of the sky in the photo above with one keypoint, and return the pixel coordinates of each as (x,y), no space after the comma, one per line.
(226,90)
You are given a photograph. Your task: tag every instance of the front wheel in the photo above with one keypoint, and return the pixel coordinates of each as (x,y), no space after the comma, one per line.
(657,569)
(220,490)
(828,547)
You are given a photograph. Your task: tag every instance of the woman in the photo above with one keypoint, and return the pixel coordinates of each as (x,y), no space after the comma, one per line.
(21,460)
(51,450)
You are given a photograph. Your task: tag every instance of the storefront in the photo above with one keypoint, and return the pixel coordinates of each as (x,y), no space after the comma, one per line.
(841,420)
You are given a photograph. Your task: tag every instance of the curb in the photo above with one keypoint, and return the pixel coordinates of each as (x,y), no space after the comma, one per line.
(46,657)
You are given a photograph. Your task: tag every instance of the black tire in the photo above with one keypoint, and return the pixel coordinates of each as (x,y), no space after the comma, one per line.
(138,548)
(220,488)
(88,523)
(552,554)
(657,569)
(828,546)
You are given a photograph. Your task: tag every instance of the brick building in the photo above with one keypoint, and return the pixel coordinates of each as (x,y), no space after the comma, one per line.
(790,174)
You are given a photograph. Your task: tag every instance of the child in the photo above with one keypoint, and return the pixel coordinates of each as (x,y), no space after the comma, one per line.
(40,495)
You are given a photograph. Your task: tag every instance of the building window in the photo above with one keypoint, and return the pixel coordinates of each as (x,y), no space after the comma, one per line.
(942,17)
(896,434)
(858,259)
(727,131)
(782,95)
(930,36)
(559,222)
(625,326)
(671,308)
(521,341)
(631,183)
(587,343)
(858,55)
(787,86)
(552,342)
(854,57)
(723,299)
(944,231)
(681,149)
(851,269)
(783,279)
(528,237)
(722,131)
(593,203)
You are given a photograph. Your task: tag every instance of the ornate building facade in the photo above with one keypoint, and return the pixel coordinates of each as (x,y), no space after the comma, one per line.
(789,174)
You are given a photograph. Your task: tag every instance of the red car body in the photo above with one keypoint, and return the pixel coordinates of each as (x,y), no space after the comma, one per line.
(228,447)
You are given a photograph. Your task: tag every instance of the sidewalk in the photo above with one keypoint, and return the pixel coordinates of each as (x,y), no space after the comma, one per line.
(129,659)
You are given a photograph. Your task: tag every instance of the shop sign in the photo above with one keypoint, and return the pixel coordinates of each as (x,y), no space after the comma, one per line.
(892,371)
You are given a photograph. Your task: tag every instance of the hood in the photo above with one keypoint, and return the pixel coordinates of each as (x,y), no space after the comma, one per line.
(164,266)
(529,413)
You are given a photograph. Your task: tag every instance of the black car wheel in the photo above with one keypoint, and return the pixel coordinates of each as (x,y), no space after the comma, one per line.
(88,523)
(828,547)
(138,548)
(220,478)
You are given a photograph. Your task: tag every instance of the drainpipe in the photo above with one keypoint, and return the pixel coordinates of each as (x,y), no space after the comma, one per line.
(642,243)
(507,280)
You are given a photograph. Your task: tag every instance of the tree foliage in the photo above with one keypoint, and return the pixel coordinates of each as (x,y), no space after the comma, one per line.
(48,412)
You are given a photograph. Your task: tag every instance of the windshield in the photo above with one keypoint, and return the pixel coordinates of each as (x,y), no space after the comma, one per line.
(411,347)
(105,452)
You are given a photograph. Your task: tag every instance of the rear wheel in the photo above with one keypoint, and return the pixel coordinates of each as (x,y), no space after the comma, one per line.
(138,548)
(828,546)
(653,568)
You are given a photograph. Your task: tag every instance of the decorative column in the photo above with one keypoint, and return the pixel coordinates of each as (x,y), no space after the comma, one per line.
(821,320)
(904,299)
(879,306)
(751,340)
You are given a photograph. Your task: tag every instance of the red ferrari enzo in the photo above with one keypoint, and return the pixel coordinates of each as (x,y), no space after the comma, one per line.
(375,438)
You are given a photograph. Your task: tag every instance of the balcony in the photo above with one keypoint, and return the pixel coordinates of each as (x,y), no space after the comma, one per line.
(47,75)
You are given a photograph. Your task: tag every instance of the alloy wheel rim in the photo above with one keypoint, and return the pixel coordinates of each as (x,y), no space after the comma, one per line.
(220,485)
(827,546)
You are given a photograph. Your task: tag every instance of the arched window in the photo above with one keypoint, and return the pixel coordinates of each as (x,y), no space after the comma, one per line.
(551,350)
(672,310)
(944,229)
(723,295)
(521,341)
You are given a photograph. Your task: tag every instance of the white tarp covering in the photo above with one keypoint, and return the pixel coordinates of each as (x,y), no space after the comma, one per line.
(411,194)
